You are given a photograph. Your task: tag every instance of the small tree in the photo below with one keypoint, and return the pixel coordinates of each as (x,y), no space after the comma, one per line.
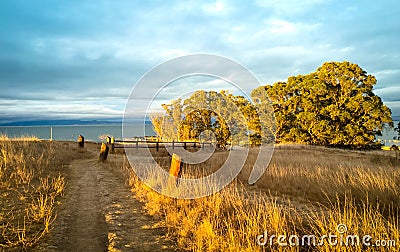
(227,116)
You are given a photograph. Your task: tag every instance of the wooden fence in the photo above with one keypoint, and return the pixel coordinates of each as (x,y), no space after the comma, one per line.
(115,144)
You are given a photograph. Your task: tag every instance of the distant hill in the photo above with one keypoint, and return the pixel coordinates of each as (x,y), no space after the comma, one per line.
(117,121)
(61,122)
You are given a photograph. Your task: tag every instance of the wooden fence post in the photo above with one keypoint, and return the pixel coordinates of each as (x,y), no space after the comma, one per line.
(173,144)
(103,152)
(157,143)
(112,144)
(184,145)
(175,170)
(137,144)
(395,148)
(81,141)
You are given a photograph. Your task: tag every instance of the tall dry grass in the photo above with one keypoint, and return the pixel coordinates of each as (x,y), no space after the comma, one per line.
(320,175)
(30,186)
(305,191)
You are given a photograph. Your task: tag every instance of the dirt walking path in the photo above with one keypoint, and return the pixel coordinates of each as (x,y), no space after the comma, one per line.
(99,213)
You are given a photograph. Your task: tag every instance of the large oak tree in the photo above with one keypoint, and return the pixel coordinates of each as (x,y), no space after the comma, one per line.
(333,106)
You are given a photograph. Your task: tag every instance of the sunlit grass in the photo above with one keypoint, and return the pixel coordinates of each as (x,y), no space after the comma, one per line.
(19,138)
(29,189)
(305,191)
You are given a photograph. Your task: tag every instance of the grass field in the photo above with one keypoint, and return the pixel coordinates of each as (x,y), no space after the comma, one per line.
(31,183)
(306,190)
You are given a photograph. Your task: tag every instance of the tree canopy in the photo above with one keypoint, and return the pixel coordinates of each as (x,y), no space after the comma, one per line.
(229,118)
(333,106)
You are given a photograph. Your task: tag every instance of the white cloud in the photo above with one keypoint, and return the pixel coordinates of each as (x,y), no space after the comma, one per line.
(347,49)
(389,93)
(78,110)
(185,6)
(290,6)
(216,8)
(386,73)
(276,26)
(279,26)
(173,53)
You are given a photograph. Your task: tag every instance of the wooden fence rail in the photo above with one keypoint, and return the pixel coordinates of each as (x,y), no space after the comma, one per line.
(115,143)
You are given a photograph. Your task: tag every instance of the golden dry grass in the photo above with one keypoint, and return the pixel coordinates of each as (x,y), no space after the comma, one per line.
(20,138)
(30,187)
(305,191)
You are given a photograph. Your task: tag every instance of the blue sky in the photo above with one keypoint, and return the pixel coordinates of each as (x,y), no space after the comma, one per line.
(80,59)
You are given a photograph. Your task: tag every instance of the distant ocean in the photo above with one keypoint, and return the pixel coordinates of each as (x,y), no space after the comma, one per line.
(92,133)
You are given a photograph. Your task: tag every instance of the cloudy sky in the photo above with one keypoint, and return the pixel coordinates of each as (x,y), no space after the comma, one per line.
(81,59)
